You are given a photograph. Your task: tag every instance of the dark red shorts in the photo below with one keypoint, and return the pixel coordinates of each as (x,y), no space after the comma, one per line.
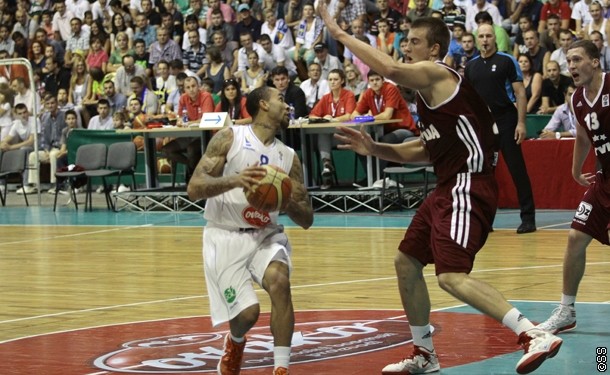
(452,224)
(593,214)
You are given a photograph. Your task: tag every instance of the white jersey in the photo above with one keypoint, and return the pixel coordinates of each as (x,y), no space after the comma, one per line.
(231,209)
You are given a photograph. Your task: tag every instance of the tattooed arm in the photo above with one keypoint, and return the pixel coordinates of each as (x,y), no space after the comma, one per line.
(299,208)
(208,181)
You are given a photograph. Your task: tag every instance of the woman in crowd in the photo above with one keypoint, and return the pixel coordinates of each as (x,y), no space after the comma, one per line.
(78,86)
(337,105)
(218,71)
(532,81)
(119,26)
(354,82)
(97,31)
(36,55)
(122,49)
(255,76)
(97,56)
(234,103)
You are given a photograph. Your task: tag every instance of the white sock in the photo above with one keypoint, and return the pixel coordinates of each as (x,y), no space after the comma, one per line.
(568,300)
(237,340)
(516,321)
(422,336)
(281,356)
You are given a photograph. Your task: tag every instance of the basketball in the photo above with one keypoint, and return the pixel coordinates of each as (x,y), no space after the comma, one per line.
(139,142)
(273,191)
(139,122)
(163,166)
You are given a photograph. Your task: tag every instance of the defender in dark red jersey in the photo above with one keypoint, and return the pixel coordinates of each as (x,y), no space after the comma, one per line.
(591,107)
(451,226)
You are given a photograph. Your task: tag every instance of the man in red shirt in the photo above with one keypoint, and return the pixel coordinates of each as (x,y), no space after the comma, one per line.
(193,103)
(558,7)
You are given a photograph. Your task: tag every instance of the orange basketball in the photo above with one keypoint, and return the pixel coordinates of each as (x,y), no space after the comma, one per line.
(139,122)
(139,142)
(163,166)
(273,191)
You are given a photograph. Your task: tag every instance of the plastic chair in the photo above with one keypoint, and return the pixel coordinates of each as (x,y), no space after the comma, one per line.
(121,161)
(14,162)
(414,179)
(88,157)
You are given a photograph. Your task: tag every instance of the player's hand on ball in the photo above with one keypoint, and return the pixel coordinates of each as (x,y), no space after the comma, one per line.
(272,192)
(249,178)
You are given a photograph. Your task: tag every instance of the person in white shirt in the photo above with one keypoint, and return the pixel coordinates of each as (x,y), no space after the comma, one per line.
(327,61)
(358,29)
(21,133)
(277,30)
(247,45)
(562,123)
(275,55)
(559,55)
(481,6)
(78,7)
(101,9)
(61,21)
(103,121)
(314,87)
(24,95)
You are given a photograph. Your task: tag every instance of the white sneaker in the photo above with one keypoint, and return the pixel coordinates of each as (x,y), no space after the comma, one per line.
(538,345)
(562,319)
(123,188)
(26,190)
(420,362)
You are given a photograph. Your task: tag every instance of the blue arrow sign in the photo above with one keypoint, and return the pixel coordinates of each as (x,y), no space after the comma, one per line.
(216,120)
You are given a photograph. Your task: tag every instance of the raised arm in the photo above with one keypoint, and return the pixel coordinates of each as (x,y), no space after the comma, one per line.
(299,208)
(208,181)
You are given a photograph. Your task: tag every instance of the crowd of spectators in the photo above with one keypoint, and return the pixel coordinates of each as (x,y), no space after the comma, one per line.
(97,58)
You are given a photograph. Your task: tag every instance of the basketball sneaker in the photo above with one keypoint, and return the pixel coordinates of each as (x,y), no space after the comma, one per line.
(538,345)
(230,363)
(281,371)
(421,361)
(562,319)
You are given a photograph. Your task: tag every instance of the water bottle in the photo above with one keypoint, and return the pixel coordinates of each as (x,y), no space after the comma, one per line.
(291,112)
(185,116)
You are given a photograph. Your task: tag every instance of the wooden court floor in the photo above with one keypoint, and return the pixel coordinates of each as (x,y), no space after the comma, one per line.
(57,278)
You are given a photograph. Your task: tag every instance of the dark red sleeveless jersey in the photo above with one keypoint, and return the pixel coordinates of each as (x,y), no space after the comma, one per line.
(594,117)
(460,134)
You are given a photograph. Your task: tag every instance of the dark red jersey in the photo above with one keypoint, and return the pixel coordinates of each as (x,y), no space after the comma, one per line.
(594,117)
(459,134)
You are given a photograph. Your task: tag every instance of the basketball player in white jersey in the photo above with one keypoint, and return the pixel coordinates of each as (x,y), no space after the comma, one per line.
(242,243)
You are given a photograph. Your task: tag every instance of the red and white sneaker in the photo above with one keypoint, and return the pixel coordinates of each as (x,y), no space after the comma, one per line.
(421,361)
(230,363)
(538,345)
(281,371)
(562,319)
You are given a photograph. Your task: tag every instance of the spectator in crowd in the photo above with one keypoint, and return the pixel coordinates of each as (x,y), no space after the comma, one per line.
(192,24)
(481,6)
(337,105)
(247,45)
(150,102)
(455,45)
(539,54)
(62,155)
(164,48)
(217,70)
(275,55)
(385,38)
(194,57)
(49,141)
(61,23)
(553,88)
(247,23)
(598,39)
(102,121)
(327,61)
(549,38)
(144,31)
(353,9)
(226,47)
(116,100)
(193,104)
(403,29)
(358,30)
(36,55)
(177,66)
(582,15)
(559,55)
(120,26)
(197,9)
(218,24)
(532,81)
(558,7)
(502,38)
(308,34)
(387,13)
(25,24)
(524,9)
(153,17)
(277,30)
(453,14)
(234,103)
(174,97)
(254,76)
(141,55)
(562,123)
(21,132)
(164,83)
(293,95)
(421,10)
(525,24)
(6,107)
(227,12)
(101,9)
(175,31)
(56,78)
(25,95)
(293,12)
(125,73)
(353,81)
(314,87)
(97,57)
(121,49)
(77,44)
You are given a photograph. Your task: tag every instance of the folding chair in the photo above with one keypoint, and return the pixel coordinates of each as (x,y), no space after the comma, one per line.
(414,180)
(121,161)
(88,157)
(14,162)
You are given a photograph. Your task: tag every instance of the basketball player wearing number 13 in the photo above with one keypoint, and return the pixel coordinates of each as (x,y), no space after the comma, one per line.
(591,106)
(242,243)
